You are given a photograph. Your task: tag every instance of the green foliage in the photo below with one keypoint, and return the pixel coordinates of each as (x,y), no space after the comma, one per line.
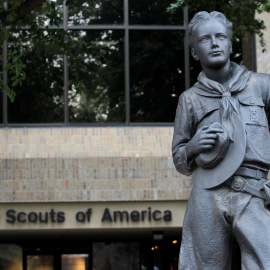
(15,67)
(241,13)
(41,94)
(13,15)
(45,14)
(81,50)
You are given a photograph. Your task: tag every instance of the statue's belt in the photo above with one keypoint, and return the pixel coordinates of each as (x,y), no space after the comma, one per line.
(251,173)
(240,182)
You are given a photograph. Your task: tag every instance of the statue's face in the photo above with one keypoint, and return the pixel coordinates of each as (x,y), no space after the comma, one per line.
(211,44)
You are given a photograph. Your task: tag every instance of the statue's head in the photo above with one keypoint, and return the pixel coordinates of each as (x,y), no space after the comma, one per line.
(210,39)
(205,16)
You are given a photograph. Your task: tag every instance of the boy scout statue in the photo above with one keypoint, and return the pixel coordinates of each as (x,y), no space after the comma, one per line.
(221,137)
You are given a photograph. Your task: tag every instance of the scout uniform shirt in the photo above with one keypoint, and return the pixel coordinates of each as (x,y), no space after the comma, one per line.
(247,93)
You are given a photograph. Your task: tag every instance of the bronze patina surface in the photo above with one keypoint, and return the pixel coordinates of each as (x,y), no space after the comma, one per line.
(230,197)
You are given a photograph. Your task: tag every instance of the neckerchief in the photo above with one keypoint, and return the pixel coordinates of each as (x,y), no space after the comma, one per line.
(228,106)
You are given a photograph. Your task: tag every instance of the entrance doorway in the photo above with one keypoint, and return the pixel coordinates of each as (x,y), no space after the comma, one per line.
(124,255)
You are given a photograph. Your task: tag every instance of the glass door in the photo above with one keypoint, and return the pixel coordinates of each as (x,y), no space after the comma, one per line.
(74,262)
(57,261)
(40,262)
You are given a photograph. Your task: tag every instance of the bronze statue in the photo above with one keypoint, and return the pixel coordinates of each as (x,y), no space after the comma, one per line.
(221,137)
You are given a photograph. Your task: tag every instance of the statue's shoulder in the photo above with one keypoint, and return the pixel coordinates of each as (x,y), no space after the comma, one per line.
(260,76)
(260,81)
(190,93)
(194,100)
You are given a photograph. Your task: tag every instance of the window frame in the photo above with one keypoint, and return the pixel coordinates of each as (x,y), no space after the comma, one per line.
(126,27)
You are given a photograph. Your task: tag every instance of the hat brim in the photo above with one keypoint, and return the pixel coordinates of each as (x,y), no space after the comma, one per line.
(209,178)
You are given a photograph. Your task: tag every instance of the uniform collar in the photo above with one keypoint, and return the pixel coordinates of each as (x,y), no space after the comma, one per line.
(237,83)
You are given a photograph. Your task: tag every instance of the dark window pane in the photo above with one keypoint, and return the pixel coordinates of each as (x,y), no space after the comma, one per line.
(195,69)
(50,18)
(160,255)
(96,91)
(153,12)
(116,255)
(40,97)
(156,74)
(84,12)
(42,16)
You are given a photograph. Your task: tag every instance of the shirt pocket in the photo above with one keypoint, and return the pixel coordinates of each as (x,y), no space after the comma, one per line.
(206,111)
(252,110)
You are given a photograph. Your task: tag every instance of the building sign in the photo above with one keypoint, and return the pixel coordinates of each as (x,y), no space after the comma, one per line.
(91,215)
(136,215)
(13,216)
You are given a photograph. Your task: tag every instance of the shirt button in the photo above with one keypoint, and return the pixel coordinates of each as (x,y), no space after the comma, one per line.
(251,102)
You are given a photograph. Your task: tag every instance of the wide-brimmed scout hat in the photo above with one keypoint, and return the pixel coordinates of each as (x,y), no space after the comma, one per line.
(221,162)
(209,159)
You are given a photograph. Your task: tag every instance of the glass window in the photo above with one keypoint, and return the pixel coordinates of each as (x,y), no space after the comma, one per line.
(97,86)
(116,255)
(40,97)
(40,262)
(84,12)
(157,74)
(153,12)
(97,79)
(160,255)
(75,261)
(150,255)
(43,17)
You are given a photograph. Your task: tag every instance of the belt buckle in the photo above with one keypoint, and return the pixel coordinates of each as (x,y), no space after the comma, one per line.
(238,183)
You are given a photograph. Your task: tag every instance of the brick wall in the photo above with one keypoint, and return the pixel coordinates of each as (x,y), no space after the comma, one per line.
(89,164)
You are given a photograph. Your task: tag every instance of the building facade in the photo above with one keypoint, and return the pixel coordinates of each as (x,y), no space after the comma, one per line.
(87,178)
(97,188)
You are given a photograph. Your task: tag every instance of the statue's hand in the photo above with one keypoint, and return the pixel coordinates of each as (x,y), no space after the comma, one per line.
(204,139)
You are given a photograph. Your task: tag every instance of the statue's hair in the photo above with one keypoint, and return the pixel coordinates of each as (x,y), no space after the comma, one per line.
(204,16)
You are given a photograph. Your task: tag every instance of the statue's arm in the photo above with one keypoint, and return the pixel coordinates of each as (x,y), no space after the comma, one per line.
(188,141)
(183,127)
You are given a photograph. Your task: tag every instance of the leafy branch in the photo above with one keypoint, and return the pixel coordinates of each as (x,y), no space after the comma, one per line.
(15,14)
(241,13)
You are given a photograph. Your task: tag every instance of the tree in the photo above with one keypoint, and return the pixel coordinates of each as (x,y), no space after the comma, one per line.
(39,43)
(241,13)
(41,21)
(14,14)
(37,16)
(96,65)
